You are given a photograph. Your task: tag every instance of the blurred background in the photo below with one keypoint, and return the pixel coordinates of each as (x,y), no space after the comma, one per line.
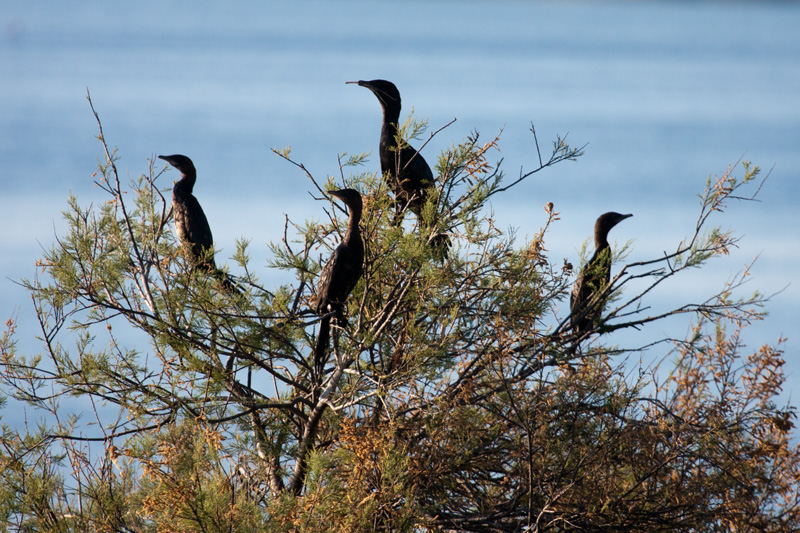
(663,94)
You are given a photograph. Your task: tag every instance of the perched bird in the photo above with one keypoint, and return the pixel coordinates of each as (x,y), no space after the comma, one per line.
(341,273)
(191,223)
(405,169)
(587,299)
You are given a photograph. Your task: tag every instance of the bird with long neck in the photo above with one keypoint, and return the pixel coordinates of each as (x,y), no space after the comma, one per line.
(589,294)
(405,170)
(337,280)
(191,224)
(340,274)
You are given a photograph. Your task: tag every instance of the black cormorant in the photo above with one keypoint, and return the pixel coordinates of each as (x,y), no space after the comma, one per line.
(341,273)
(191,223)
(406,171)
(594,277)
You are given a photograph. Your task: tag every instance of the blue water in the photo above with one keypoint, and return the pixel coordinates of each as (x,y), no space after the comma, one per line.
(664,94)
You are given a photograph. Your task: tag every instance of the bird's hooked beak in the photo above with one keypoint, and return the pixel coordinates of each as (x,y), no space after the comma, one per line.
(380,94)
(340,196)
(620,219)
(171,161)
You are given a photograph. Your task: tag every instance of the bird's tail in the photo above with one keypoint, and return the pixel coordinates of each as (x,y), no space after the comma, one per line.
(322,345)
(227,281)
(438,239)
(441,244)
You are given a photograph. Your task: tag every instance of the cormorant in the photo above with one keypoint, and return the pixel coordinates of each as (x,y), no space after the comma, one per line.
(594,277)
(341,273)
(191,223)
(406,171)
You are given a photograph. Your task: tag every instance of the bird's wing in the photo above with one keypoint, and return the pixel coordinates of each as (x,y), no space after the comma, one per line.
(327,284)
(415,169)
(199,232)
(192,226)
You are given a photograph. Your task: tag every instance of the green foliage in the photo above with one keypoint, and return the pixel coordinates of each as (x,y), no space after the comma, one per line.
(454,398)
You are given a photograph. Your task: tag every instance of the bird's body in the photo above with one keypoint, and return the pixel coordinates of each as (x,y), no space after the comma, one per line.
(404,168)
(343,270)
(340,274)
(191,224)
(588,298)
(337,279)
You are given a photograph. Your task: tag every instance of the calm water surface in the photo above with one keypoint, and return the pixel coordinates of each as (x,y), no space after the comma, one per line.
(663,93)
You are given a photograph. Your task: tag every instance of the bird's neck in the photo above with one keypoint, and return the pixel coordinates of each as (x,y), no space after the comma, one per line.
(391,116)
(186,183)
(600,242)
(353,232)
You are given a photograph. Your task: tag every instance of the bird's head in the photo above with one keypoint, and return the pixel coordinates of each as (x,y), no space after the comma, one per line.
(386,91)
(606,221)
(351,197)
(180,162)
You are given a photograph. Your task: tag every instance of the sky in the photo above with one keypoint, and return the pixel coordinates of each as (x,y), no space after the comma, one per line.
(663,95)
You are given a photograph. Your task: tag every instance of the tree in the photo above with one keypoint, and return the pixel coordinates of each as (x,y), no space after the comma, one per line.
(451,400)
